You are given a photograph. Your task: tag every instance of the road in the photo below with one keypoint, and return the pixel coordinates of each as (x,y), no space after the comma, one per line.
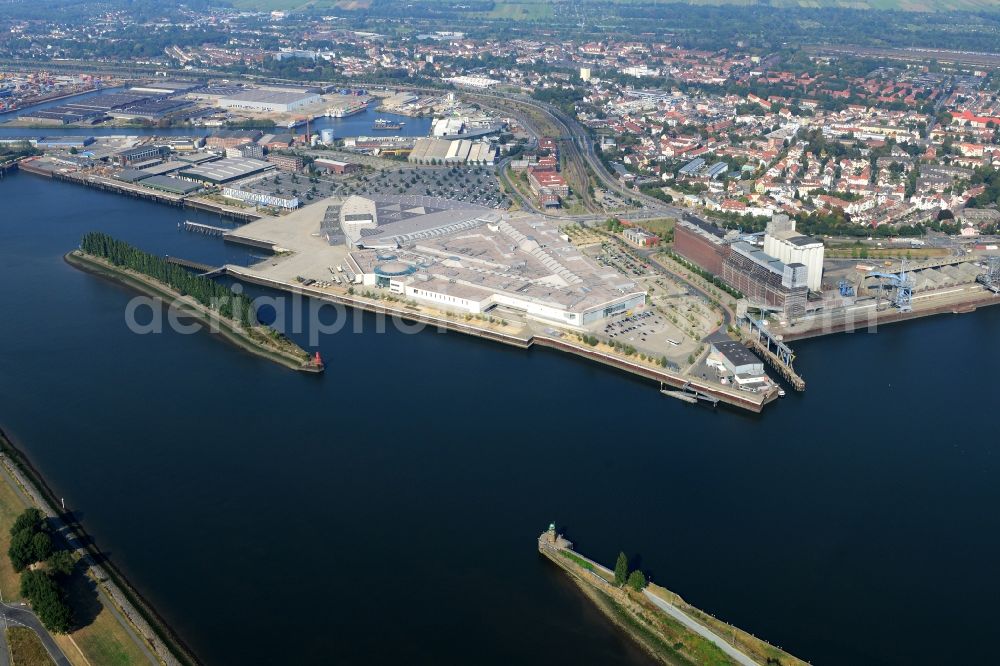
(21,616)
(728,316)
(701,630)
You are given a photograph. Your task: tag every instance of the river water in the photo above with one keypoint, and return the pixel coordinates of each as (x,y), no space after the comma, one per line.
(387,512)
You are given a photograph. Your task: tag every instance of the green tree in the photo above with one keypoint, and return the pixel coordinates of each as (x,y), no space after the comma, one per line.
(29,519)
(41,546)
(621,570)
(47,600)
(637,580)
(30,541)
(61,562)
(21,552)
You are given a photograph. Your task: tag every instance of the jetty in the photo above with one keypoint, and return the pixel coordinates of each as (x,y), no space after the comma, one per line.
(200,228)
(773,350)
(660,621)
(258,340)
(193,265)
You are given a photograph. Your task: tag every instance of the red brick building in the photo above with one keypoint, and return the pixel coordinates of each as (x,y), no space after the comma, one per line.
(286,162)
(547,180)
(701,244)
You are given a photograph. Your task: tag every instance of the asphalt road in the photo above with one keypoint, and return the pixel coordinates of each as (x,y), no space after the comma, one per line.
(701,630)
(21,616)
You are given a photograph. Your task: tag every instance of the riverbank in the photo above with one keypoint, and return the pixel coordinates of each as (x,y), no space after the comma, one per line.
(126,630)
(668,628)
(257,342)
(46,99)
(961,303)
(524,339)
(41,166)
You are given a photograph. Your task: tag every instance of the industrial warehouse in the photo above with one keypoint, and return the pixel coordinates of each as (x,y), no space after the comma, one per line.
(460,151)
(227,170)
(455,257)
(273,101)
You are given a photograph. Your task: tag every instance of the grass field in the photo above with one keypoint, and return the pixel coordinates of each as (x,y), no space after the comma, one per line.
(520,11)
(11,506)
(26,649)
(576,558)
(660,227)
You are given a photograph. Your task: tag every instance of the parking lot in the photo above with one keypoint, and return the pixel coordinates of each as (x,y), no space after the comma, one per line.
(283,183)
(475,185)
(469,184)
(637,327)
(673,323)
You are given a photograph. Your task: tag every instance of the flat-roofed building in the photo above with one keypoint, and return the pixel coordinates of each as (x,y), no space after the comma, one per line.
(335,166)
(261,198)
(286,162)
(66,142)
(641,237)
(252,151)
(469,258)
(170,184)
(273,101)
(138,154)
(232,138)
(226,170)
(738,359)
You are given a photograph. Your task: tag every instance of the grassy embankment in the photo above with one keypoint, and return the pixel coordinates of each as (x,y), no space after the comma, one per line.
(758,649)
(660,226)
(258,342)
(661,635)
(26,648)
(103,640)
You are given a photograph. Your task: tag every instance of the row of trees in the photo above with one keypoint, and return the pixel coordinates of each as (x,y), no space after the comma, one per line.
(45,569)
(207,292)
(635,579)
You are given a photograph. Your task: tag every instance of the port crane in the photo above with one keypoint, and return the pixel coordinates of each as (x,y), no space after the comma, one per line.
(991,278)
(901,283)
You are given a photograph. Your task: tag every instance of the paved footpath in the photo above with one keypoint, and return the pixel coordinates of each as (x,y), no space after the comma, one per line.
(685,619)
(700,629)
